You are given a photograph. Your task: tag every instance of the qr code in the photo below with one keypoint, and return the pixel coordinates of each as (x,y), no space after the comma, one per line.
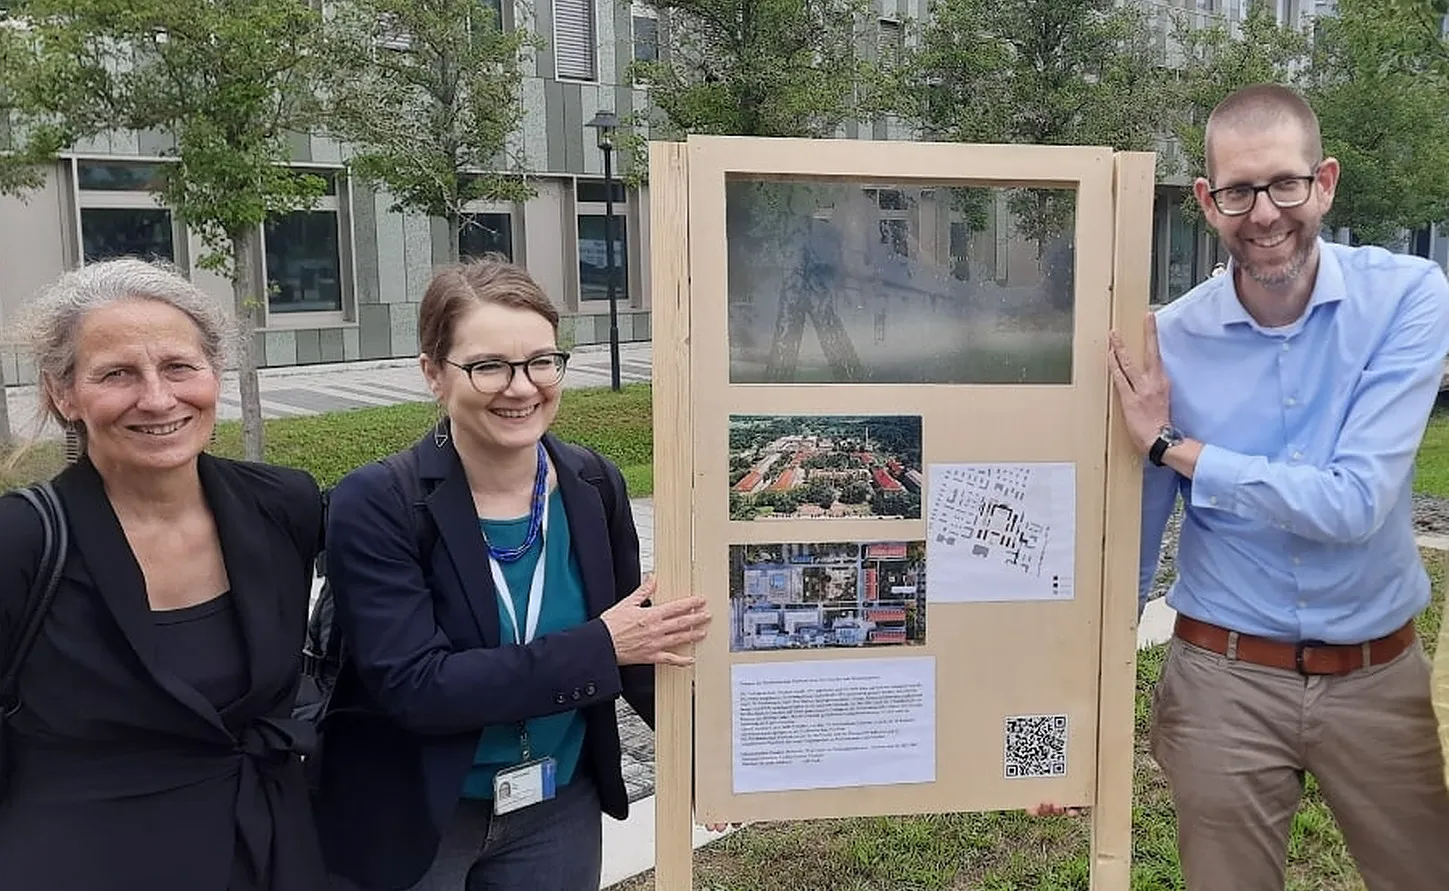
(1036,746)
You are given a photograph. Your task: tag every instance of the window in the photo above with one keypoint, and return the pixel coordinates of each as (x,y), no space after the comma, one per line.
(593,263)
(304,269)
(111,232)
(120,212)
(646,33)
(574,54)
(118,176)
(303,253)
(484,233)
(890,42)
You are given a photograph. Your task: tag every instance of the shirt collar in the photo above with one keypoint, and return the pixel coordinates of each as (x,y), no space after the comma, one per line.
(1327,288)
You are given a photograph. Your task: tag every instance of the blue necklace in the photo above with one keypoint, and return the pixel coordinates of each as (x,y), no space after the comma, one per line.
(535,516)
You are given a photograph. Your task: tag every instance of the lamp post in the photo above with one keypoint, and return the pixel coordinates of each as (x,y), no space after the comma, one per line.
(604,124)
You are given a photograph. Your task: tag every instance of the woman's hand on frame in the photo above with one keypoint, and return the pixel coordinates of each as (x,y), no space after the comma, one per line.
(650,635)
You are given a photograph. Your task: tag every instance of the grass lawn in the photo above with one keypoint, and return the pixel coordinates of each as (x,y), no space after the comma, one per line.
(328,446)
(990,852)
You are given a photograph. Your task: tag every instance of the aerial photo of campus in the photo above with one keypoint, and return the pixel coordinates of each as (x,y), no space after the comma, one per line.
(807,596)
(825,467)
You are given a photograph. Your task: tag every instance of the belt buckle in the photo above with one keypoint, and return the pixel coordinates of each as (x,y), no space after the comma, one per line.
(1298,649)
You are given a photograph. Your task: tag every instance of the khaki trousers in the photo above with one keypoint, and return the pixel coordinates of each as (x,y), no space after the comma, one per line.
(1235,740)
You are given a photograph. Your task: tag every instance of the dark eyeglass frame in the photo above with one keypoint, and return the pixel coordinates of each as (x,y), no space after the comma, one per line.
(560,356)
(1308,179)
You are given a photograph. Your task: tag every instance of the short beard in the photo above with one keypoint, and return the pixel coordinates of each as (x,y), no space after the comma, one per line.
(1287,274)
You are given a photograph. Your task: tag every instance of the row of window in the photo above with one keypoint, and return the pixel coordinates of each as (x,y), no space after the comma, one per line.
(304,249)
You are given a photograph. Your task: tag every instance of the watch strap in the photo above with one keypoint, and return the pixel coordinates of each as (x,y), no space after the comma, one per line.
(1159,448)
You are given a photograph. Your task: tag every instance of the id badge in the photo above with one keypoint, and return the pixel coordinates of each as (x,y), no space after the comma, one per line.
(524,784)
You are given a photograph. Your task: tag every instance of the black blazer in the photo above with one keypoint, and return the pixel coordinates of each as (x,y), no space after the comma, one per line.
(427,673)
(125,778)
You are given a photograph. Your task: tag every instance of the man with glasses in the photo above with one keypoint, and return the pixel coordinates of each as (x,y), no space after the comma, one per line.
(1284,401)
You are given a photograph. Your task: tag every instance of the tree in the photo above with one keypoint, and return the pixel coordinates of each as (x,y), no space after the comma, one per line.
(1385,115)
(1373,74)
(1217,62)
(756,67)
(227,80)
(1049,72)
(427,95)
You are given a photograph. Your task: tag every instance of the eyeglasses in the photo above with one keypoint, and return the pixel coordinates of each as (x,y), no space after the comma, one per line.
(1285,193)
(490,376)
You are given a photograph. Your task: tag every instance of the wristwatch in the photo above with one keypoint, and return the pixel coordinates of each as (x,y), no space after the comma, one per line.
(1167,437)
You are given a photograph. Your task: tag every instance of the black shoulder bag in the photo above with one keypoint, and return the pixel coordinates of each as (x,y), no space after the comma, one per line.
(37,603)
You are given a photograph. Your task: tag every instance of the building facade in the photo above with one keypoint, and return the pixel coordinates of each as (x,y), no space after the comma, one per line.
(344,278)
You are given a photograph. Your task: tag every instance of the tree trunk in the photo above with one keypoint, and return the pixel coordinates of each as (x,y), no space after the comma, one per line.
(455,229)
(247,299)
(6,437)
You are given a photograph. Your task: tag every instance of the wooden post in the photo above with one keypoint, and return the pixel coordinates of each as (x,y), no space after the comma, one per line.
(1112,814)
(673,512)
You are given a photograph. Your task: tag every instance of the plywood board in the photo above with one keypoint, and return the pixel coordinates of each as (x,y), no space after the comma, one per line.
(875,382)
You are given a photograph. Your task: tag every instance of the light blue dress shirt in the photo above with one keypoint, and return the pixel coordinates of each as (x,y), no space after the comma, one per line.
(1297,523)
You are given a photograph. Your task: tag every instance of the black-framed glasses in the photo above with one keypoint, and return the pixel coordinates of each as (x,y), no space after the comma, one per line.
(490,376)
(1285,192)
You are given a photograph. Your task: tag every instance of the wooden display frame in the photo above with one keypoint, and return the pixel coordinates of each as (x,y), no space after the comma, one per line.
(1085,646)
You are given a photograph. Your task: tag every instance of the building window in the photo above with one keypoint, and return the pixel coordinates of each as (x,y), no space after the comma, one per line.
(574,55)
(646,34)
(304,267)
(118,176)
(593,266)
(890,42)
(111,232)
(485,233)
(303,251)
(120,212)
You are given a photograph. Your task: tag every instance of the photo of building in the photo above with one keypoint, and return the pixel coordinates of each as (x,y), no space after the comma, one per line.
(809,596)
(825,467)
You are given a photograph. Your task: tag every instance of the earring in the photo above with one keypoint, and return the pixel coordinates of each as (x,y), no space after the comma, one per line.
(440,432)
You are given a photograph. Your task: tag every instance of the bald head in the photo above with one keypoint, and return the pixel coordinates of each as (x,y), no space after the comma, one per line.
(1264,107)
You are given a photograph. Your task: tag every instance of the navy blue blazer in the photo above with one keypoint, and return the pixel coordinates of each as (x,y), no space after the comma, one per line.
(426,671)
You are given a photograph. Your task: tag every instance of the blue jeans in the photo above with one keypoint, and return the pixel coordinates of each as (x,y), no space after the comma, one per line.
(554,845)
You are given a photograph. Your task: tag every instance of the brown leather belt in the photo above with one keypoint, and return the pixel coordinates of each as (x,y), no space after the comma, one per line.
(1306,657)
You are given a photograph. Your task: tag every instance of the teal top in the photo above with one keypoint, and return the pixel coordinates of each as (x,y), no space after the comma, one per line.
(561,735)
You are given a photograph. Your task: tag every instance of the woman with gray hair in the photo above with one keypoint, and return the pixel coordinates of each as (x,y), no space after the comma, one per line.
(151,743)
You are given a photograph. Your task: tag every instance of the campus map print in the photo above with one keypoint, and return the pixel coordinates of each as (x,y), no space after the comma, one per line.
(1001,532)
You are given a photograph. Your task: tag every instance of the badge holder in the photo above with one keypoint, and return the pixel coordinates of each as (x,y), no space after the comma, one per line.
(526,783)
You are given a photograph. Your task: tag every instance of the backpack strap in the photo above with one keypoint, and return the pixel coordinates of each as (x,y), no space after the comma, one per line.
(42,589)
(597,474)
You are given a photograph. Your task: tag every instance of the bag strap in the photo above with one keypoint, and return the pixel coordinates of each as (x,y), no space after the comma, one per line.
(42,590)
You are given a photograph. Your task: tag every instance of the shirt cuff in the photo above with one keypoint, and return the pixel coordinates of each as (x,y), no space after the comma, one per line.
(1215,478)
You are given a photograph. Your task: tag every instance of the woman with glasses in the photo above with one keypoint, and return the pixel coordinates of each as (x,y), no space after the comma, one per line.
(487,586)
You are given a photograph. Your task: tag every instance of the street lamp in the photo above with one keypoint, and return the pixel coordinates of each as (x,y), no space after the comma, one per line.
(605,123)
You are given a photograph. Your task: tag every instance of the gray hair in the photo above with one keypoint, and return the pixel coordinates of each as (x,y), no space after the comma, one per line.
(52,322)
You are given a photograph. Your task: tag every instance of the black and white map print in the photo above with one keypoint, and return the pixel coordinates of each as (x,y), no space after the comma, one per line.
(1036,746)
(1001,532)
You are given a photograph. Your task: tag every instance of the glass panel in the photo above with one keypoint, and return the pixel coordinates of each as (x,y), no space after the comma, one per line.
(593,265)
(593,191)
(1181,252)
(646,39)
(485,233)
(303,268)
(835,282)
(110,176)
(108,233)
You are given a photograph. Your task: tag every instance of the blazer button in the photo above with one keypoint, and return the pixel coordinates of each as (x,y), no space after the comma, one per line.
(577,694)
(590,690)
(560,698)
